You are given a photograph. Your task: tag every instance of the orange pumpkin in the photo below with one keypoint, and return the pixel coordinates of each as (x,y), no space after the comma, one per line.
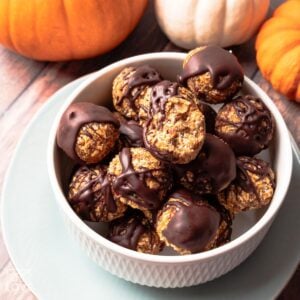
(67,29)
(278,49)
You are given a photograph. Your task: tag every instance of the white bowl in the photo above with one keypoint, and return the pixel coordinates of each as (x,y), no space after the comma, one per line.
(167,270)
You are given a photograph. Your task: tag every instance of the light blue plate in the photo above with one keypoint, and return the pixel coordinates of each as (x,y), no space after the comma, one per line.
(53,267)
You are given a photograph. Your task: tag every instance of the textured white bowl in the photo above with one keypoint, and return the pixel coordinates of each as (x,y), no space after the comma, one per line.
(163,270)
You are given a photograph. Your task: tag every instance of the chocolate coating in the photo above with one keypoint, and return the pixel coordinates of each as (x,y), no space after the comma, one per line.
(254,166)
(210,116)
(193,224)
(131,133)
(212,170)
(132,184)
(222,65)
(77,115)
(246,125)
(127,233)
(253,187)
(91,197)
(160,94)
(143,75)
(134,232)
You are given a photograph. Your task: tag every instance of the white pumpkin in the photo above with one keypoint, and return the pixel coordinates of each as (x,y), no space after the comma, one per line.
(191,23)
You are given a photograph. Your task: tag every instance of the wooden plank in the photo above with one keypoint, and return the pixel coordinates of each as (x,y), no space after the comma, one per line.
(3,253)
(16,74)
(12,286)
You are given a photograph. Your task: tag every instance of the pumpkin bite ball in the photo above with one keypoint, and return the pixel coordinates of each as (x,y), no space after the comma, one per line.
(246,124)
(87,132)
(139,180)
(189,223)
(213,169)
(134,232)
(253,187)
(212,73)
(90,195)
(131,91)
(175,129)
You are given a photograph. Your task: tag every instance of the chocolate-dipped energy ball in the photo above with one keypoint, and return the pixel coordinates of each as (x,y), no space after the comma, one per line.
(175,129)
(189,224)
(253,187)
(134,232)
(210,116)
(246,124)
(139,179)
(90,195)
(131,91)
(212,73)
(213,169)
(87,132)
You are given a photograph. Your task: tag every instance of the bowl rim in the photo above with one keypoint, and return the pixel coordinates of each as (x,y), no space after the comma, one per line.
(263,222)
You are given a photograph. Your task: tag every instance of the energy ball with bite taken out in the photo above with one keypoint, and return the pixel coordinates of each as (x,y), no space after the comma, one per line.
(139,180)
(131,91)
(212,73)
(90,195)
(253,187)
(134,232)
(190,224)
(213,169)
(175,129)
(87,132)
(246,124)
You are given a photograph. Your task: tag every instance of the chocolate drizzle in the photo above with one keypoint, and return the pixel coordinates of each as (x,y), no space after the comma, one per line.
(132,184)
(254,131)
(222,65)
(126,232)
(143,75)
(91,194)
(77,115)
(160,94)
(255,166)
(132,133)
(213,169)
(194,223)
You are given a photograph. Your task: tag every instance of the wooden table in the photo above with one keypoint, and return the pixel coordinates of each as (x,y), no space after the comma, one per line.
(27,84)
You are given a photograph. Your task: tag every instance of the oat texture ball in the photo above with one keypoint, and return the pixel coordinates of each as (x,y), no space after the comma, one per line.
(246,124)
(131,91)
(213,169)
(212,73)
(135,232)
(175,130)
(90,195)
(139,180)
(87,132)
(253,187)
(189,223)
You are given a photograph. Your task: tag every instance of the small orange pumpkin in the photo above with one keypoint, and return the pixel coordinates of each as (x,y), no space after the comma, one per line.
(278,49)
(67,29)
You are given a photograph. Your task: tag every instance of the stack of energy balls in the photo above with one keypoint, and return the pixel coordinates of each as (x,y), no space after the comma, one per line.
(165,168)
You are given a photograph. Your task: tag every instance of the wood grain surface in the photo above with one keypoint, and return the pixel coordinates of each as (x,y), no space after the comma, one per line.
(26,85)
